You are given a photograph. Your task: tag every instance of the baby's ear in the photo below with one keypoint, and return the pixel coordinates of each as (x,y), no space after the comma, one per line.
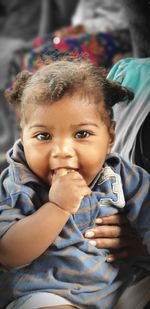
(112,133)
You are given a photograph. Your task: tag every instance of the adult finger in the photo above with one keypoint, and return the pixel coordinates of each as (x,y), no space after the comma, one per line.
(118,218)
(109,243)
(123,254)
(107,231)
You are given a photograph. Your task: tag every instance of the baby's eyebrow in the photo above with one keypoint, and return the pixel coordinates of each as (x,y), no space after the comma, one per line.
(73,126)
(85,124)
(38,125)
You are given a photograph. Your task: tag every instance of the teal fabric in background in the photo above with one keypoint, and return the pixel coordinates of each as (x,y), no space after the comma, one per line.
(133,73)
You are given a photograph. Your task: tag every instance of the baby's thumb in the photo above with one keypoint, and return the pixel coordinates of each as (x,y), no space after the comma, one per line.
(60,172)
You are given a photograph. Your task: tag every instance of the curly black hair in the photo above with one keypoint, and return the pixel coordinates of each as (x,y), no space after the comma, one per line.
(67,77)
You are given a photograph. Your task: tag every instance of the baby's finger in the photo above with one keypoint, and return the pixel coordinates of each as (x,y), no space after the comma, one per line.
(84,191)
(60,172)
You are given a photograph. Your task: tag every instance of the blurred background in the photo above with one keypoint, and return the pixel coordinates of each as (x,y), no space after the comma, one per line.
(102,30)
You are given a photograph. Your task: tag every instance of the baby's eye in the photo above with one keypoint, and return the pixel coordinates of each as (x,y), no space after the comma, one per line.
(82,134)
(43,136)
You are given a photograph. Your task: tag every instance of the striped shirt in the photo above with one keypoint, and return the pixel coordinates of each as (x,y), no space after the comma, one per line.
(71,267)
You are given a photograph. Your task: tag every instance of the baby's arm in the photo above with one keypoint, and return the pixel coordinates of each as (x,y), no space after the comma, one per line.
(31,236)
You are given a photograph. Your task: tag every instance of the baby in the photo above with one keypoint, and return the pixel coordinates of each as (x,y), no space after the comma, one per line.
(61,177)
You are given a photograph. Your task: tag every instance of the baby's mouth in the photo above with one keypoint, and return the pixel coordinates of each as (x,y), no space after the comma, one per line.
(65,170)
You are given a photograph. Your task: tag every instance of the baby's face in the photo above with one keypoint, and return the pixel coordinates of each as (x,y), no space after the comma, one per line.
(67,134)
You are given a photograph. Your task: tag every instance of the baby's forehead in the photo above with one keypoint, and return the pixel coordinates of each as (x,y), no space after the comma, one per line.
(86,106)
(42,93)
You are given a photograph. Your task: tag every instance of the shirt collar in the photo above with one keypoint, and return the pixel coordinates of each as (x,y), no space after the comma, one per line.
(18,167)
(111,160)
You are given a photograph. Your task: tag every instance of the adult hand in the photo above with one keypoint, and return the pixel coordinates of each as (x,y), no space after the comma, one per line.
(114,232)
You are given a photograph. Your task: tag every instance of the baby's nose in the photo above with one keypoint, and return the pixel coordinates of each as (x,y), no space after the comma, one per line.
(63,149)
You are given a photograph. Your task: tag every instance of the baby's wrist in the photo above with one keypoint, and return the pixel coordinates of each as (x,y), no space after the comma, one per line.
(60,208)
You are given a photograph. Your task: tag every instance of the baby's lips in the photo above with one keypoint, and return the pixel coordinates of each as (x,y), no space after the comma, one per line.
(62,171)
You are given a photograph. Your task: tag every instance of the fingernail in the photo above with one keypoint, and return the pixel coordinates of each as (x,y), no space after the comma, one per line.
(109,259)
(92,242)
(89,234)
(99,220)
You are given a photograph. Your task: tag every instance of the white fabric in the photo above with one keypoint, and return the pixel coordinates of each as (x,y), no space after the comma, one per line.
(41,299)
(100,15)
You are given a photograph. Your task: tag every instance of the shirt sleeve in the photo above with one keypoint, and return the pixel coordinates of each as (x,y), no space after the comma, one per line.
(16,202)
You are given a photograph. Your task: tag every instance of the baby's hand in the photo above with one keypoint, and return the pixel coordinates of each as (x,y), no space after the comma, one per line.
(68,189)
